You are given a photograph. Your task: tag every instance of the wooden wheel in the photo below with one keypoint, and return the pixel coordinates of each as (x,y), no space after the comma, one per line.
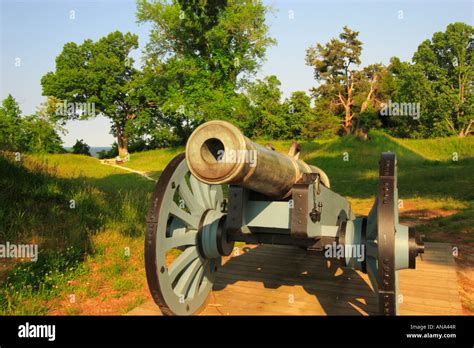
(180,256)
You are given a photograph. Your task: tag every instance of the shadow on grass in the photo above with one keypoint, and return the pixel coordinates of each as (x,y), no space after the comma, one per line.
(37,206)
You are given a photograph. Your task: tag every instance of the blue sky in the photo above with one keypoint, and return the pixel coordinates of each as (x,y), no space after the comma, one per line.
(36,30)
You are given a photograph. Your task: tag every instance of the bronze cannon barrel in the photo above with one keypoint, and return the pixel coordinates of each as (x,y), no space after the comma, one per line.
(218,153)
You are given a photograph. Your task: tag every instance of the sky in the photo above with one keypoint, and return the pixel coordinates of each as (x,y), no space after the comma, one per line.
(33,33)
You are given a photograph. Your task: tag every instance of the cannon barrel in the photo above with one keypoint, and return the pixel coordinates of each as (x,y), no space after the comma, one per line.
(218,153)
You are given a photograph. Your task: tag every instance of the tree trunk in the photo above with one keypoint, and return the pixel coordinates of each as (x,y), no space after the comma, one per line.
(361,133)
(348,117)
(122,143)
(366,102)
(465,130)
(347,105)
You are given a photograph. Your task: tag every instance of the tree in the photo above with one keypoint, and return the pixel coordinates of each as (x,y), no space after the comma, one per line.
(332,64)
(267,117)
(439,80)
(406,83)
(298,113)
(81,148)
(34,133)
(40,135)
(10,124)
(347,88)
(110,153)
(98,78)
(199,54)
(447,61)
(322,122)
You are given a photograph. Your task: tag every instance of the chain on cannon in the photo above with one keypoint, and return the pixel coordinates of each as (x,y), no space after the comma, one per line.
(271,198)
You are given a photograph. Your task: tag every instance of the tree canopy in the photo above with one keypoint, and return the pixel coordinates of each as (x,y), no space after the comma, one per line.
(33,133)
(200,64)
(200,53)
(447,63)
(99,78)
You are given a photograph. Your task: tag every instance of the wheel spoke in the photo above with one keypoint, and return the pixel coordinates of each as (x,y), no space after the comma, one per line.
(191,221)
(192,204)
(194,287)
(188,238)
(187,277)
(183,260)
(201,192)
(207,272)
(216,196)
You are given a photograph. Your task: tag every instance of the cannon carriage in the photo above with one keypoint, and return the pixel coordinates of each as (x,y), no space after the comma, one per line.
(226,189)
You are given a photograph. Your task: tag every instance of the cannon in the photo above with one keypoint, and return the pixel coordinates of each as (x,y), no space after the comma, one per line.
(226,189)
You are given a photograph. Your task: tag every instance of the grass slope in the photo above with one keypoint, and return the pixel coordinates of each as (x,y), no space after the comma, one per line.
(88,250)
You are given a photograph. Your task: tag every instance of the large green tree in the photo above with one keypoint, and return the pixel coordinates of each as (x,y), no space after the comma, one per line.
(407,83)
(440,80)
(198,57)
(447,62)
(350,90)
(101,75)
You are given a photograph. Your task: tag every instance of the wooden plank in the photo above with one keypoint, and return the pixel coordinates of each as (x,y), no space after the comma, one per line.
(283,280)
(293,294)
(297,300)
(312,286)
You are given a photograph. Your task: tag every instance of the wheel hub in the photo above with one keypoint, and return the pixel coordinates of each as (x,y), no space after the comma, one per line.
(212,238)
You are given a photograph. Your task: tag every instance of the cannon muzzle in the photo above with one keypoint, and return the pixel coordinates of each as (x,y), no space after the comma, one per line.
(218,153)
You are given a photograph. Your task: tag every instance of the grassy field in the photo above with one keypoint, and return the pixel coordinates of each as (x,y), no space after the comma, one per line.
(92,253)
(88,219)
(153,162)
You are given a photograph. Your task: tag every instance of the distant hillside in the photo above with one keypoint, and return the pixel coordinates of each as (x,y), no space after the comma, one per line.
(93,150)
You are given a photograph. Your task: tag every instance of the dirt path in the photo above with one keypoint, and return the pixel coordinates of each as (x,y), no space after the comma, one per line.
(143,174)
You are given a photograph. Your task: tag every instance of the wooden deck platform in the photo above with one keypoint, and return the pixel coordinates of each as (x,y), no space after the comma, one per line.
(280,280)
